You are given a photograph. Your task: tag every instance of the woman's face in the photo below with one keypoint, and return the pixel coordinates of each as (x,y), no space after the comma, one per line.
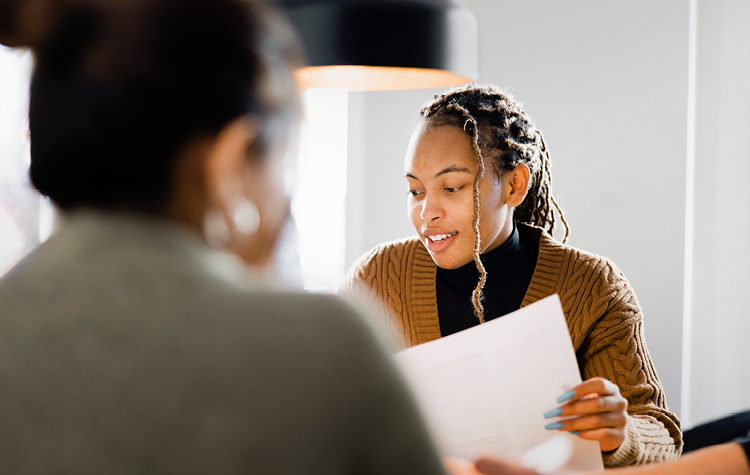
(440,170)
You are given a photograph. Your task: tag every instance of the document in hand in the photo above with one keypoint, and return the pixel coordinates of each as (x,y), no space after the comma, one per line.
(483,390)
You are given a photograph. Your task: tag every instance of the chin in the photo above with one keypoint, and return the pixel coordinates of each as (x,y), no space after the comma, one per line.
(451,258)
(449,263)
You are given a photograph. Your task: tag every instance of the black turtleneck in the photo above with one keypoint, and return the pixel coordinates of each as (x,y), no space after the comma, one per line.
(509,271)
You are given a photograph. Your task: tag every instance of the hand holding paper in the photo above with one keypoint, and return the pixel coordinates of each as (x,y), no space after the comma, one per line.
(484,390)
(593,410)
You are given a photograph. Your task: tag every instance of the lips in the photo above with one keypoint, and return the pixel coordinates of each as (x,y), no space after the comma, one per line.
(436,238)
(439,237)
(437,242)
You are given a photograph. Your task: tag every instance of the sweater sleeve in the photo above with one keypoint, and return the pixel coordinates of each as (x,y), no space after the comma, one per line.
(370,284)
(354,281)
(615,349)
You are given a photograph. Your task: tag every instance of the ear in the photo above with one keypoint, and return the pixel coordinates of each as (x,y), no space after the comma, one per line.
(518,182)
(226,160)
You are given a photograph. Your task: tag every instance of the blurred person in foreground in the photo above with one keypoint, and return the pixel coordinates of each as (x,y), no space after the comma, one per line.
(141,338)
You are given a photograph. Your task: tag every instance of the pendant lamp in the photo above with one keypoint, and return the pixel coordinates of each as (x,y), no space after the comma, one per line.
(379,45)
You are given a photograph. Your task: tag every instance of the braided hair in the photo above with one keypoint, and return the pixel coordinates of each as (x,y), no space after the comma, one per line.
(503,136)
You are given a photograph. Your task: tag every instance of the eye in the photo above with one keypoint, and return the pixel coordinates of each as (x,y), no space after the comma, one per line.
(454,189)
(414,193)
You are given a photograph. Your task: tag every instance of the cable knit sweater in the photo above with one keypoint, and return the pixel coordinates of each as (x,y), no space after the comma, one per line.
(603,316)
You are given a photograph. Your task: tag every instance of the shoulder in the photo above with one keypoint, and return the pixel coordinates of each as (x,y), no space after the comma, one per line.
(390,260)
(278,309)
(396,251)
(591,287)
(587,269)
(337,338)
(571,263)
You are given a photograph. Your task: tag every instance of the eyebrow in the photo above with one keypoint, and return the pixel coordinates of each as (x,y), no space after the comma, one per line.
(450,169)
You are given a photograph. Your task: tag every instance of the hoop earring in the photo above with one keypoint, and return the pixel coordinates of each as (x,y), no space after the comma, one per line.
(245,217)
(215,230)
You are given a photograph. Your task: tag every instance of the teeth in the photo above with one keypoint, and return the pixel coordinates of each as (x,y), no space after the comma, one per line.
(440,237)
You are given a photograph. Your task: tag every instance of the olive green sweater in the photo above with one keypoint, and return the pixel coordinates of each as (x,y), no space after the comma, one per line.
(602,312)
(128,346)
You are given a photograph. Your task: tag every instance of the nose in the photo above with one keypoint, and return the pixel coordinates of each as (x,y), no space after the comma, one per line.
(431,209)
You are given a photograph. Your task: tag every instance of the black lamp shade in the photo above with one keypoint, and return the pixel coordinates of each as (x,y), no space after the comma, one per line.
(385,44)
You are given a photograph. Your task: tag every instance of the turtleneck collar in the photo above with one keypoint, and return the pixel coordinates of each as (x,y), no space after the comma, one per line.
(509,267)
(504,260)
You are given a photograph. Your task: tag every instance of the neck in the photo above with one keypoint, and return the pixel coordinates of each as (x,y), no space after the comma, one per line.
(502,236)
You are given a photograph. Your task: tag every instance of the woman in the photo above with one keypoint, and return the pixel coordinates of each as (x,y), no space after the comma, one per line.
(128,344)
(479,184)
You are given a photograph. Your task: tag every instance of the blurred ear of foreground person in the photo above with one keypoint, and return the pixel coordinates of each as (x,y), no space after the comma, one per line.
(138,339)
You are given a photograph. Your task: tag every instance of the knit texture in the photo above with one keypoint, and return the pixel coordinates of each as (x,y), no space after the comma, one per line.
(601,310)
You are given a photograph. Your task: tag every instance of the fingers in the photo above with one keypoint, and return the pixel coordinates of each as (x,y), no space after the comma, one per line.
(609,439)
(591,405)
(593,386)
(590,422)
(607,429)
(593,410)
(593,396)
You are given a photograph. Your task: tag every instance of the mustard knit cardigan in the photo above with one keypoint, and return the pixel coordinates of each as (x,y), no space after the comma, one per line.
(603,316)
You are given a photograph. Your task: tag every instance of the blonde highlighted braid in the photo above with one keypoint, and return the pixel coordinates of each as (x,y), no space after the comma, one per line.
(504,134)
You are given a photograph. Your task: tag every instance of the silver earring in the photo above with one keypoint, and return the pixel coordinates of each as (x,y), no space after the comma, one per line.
(245,217)
(215,229)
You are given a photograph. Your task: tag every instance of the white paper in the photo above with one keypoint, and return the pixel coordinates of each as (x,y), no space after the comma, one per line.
(483,390)
(550,456)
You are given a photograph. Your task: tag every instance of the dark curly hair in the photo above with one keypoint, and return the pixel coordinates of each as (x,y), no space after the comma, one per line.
(122,87)
(504,135)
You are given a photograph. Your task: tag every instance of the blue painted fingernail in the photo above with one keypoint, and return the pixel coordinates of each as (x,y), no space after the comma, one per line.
(567,395)
(574,432)
(553,413)
(553,426)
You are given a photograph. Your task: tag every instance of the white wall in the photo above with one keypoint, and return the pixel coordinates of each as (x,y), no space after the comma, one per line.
(607,83)
(720,382)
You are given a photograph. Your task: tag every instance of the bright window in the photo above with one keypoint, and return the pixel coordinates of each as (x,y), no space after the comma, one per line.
(318,204)
(25,217)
